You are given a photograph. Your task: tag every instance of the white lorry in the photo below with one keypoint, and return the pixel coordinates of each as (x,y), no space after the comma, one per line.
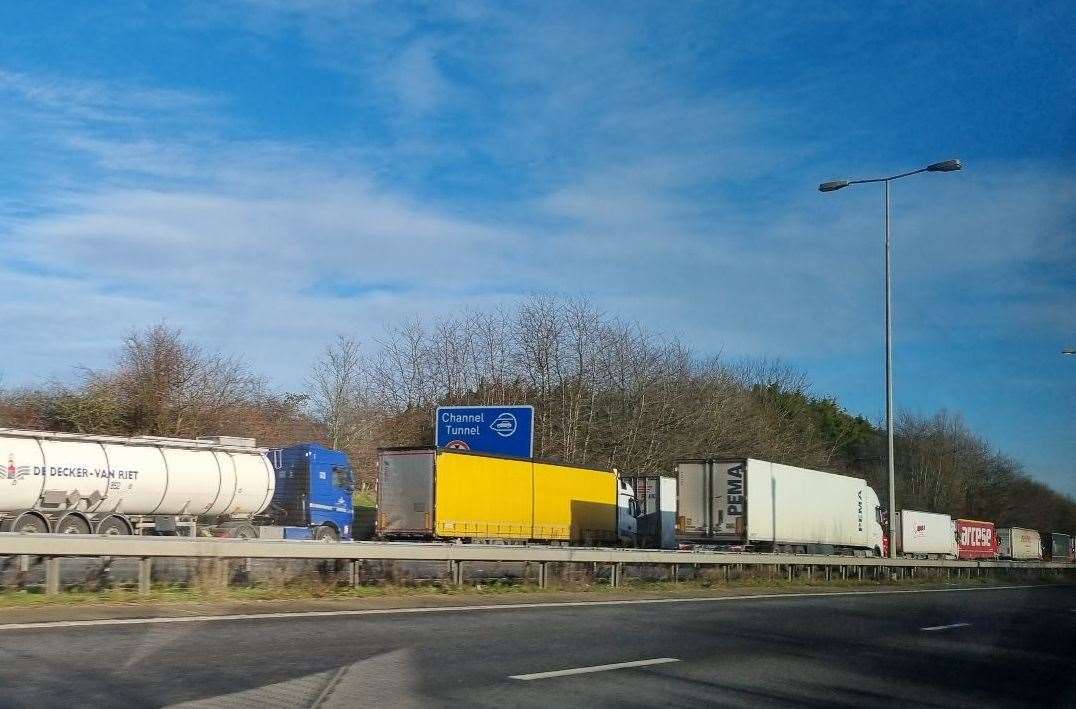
(1019,544)
(926,535)
(753,505)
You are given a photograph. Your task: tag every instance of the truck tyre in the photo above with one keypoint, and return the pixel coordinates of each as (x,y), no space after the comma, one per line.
(245,531)
(72,523)
(114,526)
(26,523)
(325,533)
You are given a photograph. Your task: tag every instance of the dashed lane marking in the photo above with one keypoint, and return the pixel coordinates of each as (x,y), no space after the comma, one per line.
(946,627)
(596,668)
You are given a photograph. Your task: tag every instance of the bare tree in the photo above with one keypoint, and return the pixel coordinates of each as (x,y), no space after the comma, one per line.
(169,386)
(339,394)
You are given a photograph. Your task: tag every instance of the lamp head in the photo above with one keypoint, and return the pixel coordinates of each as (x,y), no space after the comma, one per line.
(832,186)
(945,166)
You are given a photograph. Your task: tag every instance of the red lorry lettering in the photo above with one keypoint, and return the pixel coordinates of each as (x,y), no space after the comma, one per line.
(975,539)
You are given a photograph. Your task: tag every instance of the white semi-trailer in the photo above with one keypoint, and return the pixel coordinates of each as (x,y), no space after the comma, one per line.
(1019,544)
(926,535)
(748,504)
(82,484)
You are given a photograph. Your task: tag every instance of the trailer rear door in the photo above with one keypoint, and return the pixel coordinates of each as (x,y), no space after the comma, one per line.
(405,481)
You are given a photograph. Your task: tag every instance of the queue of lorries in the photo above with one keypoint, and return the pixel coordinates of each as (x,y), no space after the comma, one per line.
(226,486)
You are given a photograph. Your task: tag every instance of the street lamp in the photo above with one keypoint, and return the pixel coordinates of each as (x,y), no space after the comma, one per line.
(1069,351)
(944,166)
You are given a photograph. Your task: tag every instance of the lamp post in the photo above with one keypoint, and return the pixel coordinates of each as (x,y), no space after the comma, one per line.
(1069,351)
(944,166)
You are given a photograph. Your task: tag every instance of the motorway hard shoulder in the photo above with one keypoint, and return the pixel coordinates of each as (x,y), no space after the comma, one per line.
(492,607)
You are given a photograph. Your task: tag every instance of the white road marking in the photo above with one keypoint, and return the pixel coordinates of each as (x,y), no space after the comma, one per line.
(492,607)
(596,668)
(946,627)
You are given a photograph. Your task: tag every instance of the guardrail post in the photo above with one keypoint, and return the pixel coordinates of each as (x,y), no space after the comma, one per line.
(614,576)
(790,572)
(145,573)
(674,573)
(52,575)
(455,568)
(24,571)
(353,573)
(543,575)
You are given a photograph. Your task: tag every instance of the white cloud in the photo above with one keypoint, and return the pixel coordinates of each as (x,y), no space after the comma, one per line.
(557,151)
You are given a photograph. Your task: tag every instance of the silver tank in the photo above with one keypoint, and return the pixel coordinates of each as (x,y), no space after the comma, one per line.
(133,476)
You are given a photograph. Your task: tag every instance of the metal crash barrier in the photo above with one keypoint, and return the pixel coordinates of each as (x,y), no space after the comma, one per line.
(54,547)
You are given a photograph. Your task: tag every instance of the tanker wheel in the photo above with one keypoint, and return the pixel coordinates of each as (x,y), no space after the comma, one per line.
(245,531)
(73,524)
(325,533)
(27,523)
(113,527)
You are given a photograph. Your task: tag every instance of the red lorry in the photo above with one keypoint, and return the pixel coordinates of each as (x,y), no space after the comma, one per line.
(976,539)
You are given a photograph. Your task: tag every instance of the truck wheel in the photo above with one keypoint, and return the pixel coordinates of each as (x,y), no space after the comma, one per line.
(73,524)
(325,533)
(27,523)
(245,531)
(114,526)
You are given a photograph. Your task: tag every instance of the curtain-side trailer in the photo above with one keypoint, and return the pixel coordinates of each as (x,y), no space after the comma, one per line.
(743,503)
(447,494)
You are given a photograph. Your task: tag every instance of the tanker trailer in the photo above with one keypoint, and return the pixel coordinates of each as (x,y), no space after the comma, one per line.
(81,484)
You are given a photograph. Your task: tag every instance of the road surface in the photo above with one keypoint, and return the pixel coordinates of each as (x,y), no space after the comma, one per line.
(1005,647)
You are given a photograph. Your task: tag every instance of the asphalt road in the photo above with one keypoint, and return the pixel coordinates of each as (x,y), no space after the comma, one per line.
(1010,647)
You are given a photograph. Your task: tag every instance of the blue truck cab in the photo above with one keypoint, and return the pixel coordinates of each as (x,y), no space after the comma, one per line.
(313,492)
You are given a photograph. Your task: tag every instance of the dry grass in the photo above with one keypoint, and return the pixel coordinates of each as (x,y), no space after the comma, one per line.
(220,582)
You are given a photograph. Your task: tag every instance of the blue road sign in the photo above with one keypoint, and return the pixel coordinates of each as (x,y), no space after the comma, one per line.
(504,430)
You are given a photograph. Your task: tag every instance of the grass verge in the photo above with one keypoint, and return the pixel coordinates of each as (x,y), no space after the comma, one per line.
(204,593)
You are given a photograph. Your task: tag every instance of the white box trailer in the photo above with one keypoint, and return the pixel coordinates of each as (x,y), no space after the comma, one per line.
(1017,543)
(754,504)
(926,534)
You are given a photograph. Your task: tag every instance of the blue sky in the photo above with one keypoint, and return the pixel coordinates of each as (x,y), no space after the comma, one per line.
(265,174)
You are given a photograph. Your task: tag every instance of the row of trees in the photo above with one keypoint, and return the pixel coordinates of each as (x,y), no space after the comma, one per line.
(605,392)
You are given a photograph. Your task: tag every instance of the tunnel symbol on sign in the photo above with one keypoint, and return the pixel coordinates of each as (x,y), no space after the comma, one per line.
(504,425)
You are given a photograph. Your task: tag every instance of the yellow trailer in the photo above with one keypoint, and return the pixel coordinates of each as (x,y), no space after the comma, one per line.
(461,495)
(575,504)
(482,497)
